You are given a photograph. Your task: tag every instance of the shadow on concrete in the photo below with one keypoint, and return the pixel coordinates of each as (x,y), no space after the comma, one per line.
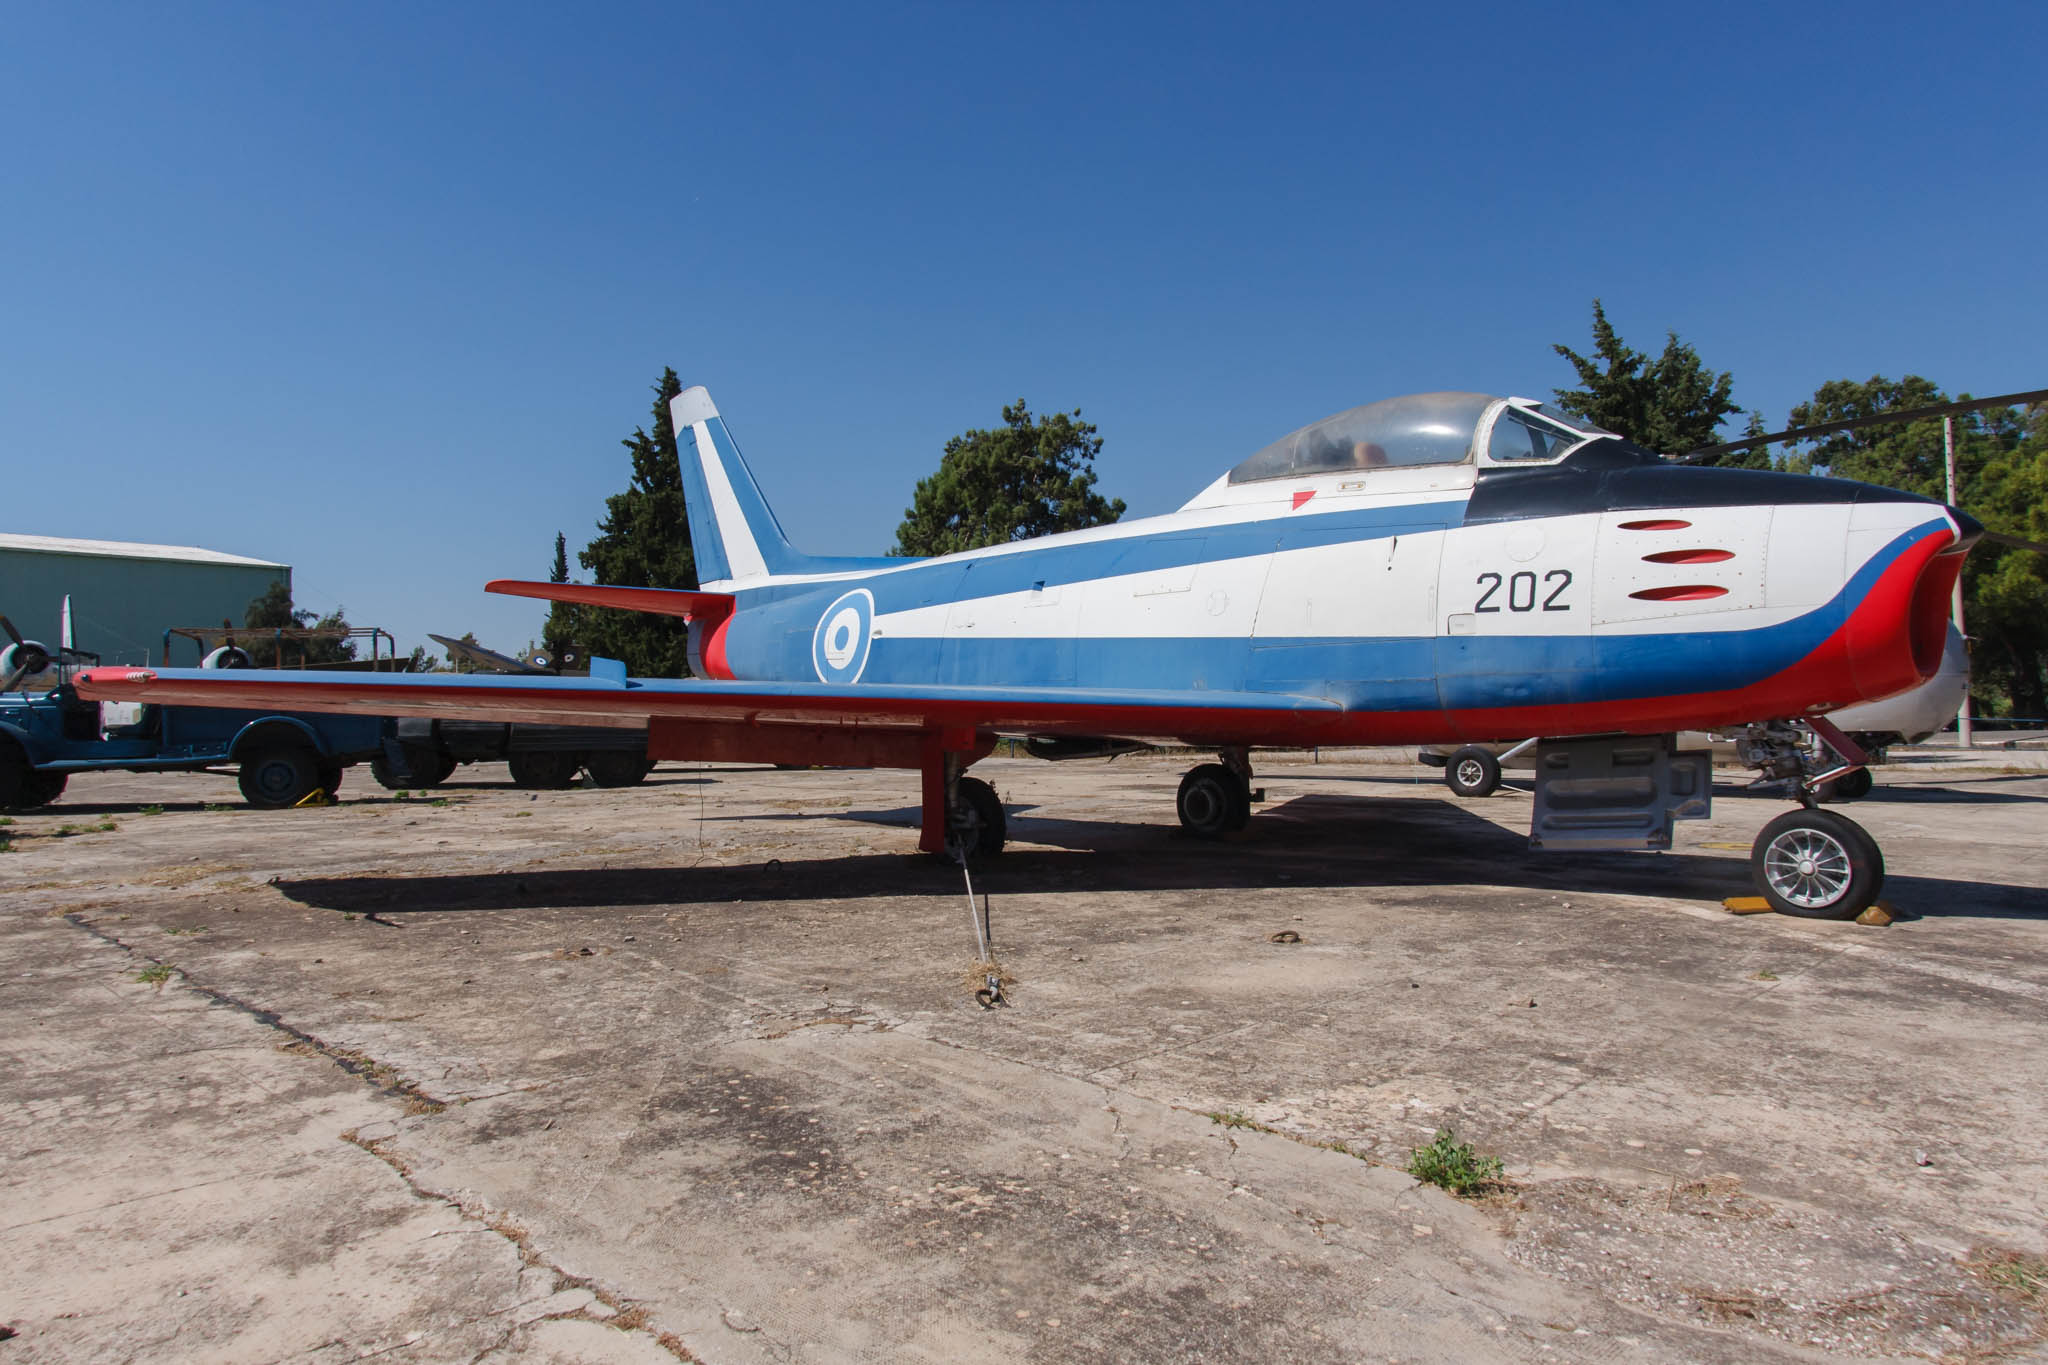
(1318,841)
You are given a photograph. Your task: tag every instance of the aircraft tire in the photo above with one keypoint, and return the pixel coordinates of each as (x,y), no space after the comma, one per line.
(977,814)
(1472,771)
(1815,864)
(278,777)
(1213,801)
(1850,786)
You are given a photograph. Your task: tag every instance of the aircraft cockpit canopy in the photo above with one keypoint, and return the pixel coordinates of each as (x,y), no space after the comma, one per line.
(1421,429)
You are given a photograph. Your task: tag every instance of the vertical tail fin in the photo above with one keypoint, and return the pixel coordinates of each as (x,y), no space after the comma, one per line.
(733,534)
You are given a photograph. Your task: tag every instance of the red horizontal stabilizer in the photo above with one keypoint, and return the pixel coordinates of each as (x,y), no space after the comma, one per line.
(701,606)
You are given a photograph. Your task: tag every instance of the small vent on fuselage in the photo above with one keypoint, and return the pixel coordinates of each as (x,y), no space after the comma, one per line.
(1689,557)
(1682,592)
(1655,525)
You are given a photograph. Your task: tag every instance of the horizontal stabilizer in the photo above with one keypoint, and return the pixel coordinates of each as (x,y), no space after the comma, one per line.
(702,606)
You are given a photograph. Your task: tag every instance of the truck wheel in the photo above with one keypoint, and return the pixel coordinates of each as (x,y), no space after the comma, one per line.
(427,768)
(330,778)
(43,788)
(543,770)
(1472,771)
(15,775)
(618,768)
(276,778)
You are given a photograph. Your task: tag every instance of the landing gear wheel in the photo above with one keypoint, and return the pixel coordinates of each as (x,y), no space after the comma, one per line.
(1852,786)
(1817,865)
(543,770)
(43,788)
(618,768)
(1213,802)
(975,817)
(1472,771)
(275,779)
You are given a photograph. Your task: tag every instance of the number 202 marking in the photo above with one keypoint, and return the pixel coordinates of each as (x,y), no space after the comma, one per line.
(1522,590)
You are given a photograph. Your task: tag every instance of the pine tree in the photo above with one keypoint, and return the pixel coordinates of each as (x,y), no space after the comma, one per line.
(1671,405)
(1030,477)
(643,542)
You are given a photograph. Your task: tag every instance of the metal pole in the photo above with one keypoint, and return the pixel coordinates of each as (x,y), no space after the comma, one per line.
(1948,455)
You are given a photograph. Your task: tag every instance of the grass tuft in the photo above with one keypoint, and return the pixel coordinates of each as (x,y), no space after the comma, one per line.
(155,974)
(1453,1166)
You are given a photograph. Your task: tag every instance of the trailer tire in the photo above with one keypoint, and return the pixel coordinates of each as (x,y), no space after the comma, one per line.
(278,776)
(618,767)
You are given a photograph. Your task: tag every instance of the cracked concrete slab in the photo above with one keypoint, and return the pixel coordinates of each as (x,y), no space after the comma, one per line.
(692,1068)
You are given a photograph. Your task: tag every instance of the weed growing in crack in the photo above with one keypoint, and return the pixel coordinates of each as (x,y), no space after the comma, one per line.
(2016,1273)
(1453,1166)
(1763,974)
(155,974)
(1231,1118)
(152,810)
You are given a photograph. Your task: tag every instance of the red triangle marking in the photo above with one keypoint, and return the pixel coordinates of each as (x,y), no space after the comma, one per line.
(1303,496)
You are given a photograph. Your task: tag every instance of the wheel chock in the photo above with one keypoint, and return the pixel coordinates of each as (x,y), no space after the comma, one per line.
(1746,905)
(1878,914)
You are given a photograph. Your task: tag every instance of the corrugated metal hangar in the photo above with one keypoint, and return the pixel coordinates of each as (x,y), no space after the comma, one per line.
(125,596)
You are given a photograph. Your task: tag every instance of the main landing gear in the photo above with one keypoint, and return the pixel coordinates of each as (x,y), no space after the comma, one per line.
(1812,863)
(1216,798)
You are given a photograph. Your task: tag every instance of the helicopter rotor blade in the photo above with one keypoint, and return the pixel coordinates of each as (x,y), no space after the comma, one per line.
(2018,542)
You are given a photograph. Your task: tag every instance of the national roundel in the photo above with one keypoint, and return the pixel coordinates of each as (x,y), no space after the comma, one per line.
(839,646)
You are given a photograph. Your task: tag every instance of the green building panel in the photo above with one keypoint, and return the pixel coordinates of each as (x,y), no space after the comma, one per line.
(125,596)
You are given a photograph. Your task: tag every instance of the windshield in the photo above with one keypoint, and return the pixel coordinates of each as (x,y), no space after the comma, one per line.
(1420,429)
(1541,433)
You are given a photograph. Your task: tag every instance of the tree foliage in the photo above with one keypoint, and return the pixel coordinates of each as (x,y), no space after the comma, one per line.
(271,610)
(1907,456)
(642,542)
(1028,477)
(1671,404)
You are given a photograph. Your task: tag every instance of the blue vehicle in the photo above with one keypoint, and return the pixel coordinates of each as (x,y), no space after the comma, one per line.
(48,732)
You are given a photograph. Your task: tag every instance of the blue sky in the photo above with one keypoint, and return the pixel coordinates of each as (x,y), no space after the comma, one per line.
(376,290)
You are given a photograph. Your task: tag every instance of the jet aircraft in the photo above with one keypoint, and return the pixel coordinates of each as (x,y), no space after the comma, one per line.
(1442,567)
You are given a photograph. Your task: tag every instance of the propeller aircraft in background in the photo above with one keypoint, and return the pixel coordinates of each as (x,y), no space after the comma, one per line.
(1438,568)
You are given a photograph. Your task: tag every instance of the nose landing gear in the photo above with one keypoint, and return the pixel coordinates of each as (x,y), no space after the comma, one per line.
(1812,863)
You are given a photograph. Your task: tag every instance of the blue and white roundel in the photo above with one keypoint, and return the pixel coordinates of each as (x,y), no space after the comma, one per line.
(839,646)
